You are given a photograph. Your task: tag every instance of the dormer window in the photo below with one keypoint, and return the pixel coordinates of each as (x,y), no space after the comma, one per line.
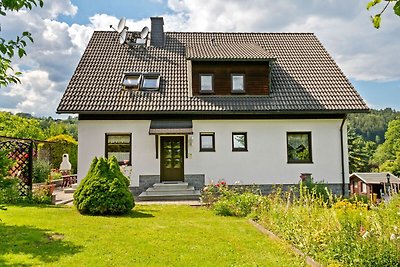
(237,81)
(151,81)
(131,80)
(206,83)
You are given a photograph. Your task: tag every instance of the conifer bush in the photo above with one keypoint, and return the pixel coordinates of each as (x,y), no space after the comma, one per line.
(104,190)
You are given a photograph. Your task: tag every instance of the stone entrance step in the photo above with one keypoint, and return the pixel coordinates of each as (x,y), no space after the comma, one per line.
(170,191)
(171,186)
(70,190)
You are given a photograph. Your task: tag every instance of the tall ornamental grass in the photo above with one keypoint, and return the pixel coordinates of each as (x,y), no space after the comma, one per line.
(334,231)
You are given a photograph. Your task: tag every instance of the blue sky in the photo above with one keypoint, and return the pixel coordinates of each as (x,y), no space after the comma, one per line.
(138,9)
(368,57)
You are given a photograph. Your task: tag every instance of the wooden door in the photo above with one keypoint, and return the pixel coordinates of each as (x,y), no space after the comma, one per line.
(172,158)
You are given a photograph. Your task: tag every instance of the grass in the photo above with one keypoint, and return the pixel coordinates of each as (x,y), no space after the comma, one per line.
(154,235)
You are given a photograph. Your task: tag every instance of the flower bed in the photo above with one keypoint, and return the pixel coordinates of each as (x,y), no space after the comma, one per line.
(334,231)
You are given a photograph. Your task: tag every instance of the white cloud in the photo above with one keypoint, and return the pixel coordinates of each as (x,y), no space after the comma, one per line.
(51,59)
(37,93)
(343,27)
(52,9)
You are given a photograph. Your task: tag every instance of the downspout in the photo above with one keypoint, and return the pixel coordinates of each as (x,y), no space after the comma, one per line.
(342,156)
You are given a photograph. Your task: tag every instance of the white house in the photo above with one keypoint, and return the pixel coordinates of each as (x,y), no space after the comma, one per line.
(259,108)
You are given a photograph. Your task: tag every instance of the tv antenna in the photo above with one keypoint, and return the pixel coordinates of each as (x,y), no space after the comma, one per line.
(136,40)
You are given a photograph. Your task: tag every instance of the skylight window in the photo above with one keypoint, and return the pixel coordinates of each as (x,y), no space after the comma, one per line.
(131,80)
(151,81)
(141,81)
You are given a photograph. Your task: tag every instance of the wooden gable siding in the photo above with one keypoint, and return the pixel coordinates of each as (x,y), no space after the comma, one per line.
(256,76)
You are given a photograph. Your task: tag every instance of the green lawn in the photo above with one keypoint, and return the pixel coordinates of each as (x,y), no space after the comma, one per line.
(165,235)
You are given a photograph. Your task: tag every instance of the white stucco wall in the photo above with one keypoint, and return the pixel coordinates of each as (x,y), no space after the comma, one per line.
(264,163)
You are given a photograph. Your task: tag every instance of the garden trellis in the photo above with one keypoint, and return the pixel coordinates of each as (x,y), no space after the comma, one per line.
(22,152)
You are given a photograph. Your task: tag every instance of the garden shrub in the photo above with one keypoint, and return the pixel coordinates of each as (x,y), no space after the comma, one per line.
(9,194)
(237,204)
(40,196)
(62,144)
(212,192)
(319,189)
(8,186)
(9,190)
(104,190)
(5,164)
(41,170)
(237,200)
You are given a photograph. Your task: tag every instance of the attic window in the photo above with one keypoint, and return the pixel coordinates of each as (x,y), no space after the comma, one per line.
(151,81)
(237,83)
(131,80)
(206,83)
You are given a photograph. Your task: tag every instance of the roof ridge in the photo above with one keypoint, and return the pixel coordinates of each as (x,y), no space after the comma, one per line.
(260,33)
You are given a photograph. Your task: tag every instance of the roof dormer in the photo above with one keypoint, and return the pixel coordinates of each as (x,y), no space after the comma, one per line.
(229,69)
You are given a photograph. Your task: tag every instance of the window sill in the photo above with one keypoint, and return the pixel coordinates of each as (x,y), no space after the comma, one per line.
(238,92)
(207,150)
(206,92)
(239,150)
(300,162)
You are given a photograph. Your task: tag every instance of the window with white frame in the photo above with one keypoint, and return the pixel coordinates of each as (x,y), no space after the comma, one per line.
(364,188)
(206,83)
(237,83)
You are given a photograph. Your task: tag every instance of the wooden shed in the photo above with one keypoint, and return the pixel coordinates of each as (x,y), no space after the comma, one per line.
(370,183)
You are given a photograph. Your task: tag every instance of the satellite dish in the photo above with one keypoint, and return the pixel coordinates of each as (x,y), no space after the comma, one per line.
(121,25)
(122,36)
(144,32)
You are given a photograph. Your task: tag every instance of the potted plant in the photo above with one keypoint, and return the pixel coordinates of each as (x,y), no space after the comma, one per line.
(50,185)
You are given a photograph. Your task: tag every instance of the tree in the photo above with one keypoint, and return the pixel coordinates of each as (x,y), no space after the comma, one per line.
(376,19)
(8,48)
(372,126)
(27,126)
(388,154)
(360,152)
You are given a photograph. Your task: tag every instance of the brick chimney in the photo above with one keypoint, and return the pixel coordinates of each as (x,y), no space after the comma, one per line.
(157,32)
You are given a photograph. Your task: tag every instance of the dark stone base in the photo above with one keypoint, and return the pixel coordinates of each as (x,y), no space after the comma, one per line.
(267,189)
(198,181)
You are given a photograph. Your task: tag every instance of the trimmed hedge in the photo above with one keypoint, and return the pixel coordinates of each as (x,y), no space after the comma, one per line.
(104,190)
(62,144)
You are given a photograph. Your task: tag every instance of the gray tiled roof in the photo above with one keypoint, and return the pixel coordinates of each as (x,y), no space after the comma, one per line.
(227,51)
(375,177)
(304,77)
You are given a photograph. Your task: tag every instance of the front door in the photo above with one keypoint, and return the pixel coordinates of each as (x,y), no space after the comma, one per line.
(172,156)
